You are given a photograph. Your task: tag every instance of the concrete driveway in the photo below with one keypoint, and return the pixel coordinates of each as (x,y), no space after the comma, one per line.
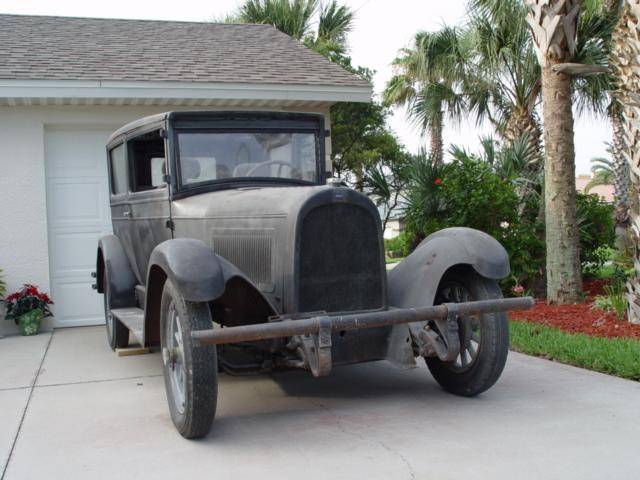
(71,409)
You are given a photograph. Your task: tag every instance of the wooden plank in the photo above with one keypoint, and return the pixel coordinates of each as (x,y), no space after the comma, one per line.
(126,352)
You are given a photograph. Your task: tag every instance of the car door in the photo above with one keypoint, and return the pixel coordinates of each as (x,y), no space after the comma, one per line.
(149,196)
(120,202)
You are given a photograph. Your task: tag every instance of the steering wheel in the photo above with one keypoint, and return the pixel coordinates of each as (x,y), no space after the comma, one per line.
(282,163)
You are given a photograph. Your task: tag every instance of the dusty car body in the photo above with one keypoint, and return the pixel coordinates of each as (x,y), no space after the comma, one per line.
(231,252)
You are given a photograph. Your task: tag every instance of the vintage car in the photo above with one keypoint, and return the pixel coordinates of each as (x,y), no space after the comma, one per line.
(233,250)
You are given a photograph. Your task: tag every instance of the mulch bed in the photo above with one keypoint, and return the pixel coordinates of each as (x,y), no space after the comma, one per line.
(580,318)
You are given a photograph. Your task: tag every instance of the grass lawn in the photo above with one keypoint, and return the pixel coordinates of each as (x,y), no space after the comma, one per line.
(393,260)
(615,356)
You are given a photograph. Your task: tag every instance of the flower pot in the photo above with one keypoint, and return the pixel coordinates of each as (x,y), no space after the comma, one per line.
(30,322)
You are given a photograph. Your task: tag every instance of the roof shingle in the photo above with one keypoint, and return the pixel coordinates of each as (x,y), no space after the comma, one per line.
(67,48)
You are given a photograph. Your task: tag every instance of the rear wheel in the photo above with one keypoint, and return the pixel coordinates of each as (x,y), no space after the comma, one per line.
(484,339)
(117,333)
(190,372)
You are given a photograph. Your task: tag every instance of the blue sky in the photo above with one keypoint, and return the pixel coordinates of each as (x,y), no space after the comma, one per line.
(382,27)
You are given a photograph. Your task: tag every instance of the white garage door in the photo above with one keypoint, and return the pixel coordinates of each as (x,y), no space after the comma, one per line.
(78,215)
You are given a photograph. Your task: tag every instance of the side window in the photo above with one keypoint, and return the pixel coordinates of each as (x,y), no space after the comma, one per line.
(146,155)
(118,170)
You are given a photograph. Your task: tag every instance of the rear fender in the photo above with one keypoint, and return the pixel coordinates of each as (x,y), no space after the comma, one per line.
(414,281)
(113,260)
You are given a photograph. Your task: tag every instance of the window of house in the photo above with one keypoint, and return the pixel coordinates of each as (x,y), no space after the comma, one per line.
(146,155)
(118,170)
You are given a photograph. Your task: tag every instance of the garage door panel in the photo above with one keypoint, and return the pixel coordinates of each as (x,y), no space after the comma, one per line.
(76,303)
(74,253)
(77,202)
(78,215)
(76,153)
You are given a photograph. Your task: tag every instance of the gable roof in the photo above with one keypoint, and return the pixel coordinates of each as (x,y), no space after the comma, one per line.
(66,48)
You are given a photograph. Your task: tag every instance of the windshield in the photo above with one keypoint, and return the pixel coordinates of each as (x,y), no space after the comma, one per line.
(209,156)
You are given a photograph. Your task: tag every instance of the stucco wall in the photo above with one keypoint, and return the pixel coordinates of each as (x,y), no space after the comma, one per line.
(23,226)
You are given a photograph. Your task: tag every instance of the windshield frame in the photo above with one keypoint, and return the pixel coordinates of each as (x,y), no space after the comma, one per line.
(316,128)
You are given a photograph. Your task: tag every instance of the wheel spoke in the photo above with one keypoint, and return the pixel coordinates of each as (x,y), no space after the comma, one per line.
(472,350)
(469,327)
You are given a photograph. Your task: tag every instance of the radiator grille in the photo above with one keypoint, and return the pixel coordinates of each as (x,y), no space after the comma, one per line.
(340,267)
(250,250)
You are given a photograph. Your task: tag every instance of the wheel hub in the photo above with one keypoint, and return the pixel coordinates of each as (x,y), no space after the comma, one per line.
(469,327)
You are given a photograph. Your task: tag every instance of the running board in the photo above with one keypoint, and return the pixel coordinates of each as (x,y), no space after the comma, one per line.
(133,319)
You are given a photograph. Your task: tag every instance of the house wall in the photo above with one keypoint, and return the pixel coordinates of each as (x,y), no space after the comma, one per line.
(24,255)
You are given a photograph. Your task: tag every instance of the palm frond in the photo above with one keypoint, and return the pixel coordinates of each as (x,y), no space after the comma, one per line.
(600,177)
(292,17)
(335,22)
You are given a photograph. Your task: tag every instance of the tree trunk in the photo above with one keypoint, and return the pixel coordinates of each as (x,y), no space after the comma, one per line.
(554,25)
(620,169)
(564,282)
(625,63)
(436,149)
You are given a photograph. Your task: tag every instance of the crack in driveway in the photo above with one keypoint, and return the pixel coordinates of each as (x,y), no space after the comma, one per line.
(340,425)
(26,407)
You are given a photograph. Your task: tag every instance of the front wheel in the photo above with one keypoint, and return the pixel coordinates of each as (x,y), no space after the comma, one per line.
(190,372)
(484,339)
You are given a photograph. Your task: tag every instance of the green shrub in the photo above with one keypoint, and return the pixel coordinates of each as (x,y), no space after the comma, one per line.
(597,233)
(399,246)
(613,300)
(467,193)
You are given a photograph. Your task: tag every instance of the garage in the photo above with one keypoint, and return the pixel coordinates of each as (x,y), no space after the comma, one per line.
(77,216)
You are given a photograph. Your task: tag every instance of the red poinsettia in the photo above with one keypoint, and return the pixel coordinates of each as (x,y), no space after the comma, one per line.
(26,299)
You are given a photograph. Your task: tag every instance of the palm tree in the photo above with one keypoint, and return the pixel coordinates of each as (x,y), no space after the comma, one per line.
(593,94)
(296,19)
(422,200)
(504,83)
(602,170)
(428,80)
(554,25)
(626,67)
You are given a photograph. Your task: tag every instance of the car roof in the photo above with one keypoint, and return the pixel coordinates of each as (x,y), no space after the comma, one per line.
(141,122)
(198,114)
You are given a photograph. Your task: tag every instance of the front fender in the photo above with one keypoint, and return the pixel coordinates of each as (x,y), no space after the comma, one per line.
(414,281)
(193,268)
(199,274)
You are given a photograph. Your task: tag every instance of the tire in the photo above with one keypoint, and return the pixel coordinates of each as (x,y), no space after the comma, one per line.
(117,332)
(190,372)
(492,331)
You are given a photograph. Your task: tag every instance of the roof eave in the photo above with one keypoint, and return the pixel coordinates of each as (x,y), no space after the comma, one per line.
(99,90)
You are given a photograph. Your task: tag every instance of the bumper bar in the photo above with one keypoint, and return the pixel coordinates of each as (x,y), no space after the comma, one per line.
(352,321)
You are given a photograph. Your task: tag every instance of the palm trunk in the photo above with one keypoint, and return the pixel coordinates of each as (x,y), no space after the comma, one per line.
(436,149)
(620,182)
(564,282)
(523,122)
(554,24)
(625,63)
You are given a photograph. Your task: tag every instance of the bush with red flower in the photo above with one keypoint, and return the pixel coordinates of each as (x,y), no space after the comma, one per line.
(25,300)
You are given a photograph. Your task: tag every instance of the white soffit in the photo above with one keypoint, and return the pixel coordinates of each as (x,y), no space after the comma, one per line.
(82,92)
